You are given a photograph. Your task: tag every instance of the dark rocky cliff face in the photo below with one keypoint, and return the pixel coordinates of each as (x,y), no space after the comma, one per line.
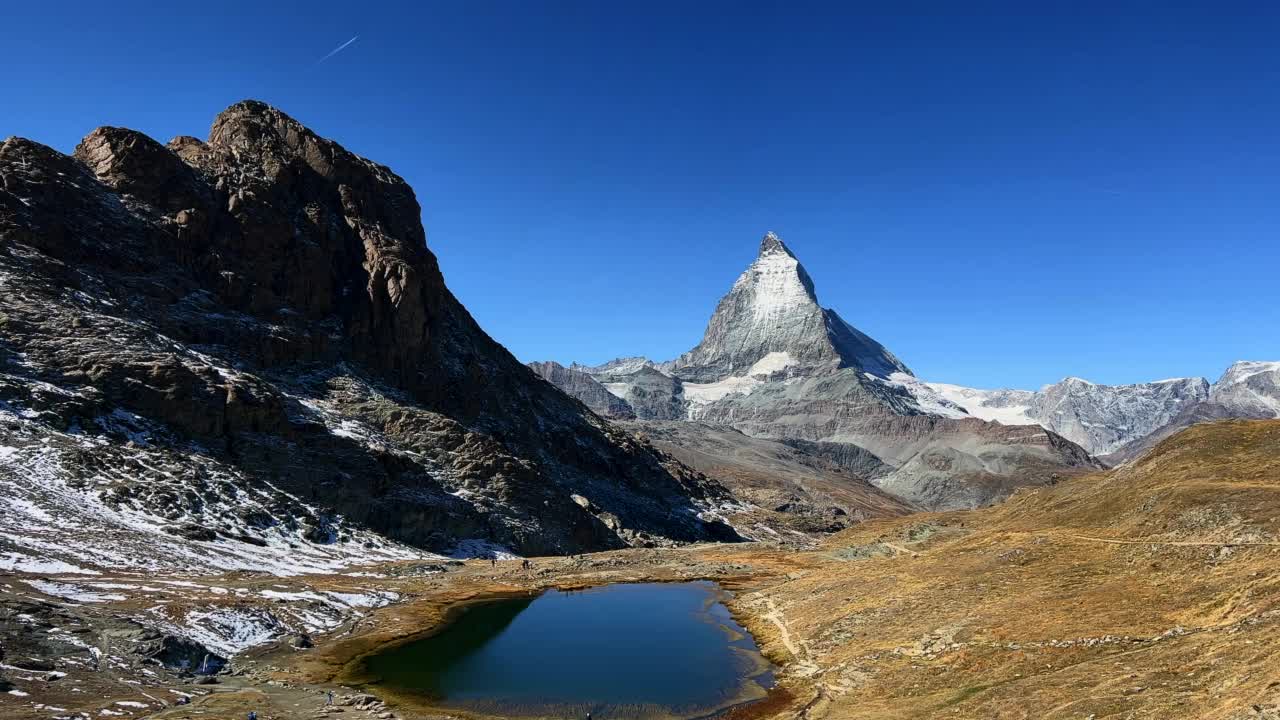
(267,299)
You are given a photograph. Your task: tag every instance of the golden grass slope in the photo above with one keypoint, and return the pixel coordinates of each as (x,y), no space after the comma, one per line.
(1147,591)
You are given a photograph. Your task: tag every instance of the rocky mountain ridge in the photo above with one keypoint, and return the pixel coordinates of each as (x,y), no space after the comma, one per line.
(1248,390)
(184,326)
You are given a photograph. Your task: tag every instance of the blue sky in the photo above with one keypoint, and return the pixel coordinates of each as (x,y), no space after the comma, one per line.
(1001,194)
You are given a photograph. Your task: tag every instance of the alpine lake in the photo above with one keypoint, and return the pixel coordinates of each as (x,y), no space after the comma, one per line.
(654,651)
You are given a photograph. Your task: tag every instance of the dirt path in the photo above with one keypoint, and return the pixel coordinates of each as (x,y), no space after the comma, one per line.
(804,665)
(898,548)
(1173,543)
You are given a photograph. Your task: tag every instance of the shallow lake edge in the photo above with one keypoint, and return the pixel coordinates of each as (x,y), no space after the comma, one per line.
(352,673)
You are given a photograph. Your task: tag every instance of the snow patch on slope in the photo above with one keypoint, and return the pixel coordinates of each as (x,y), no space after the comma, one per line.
(927,400)
(1007,407)
(771,363)
(58,515)
(617,389)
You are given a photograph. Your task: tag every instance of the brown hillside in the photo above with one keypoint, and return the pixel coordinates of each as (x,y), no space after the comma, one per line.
(1148,591)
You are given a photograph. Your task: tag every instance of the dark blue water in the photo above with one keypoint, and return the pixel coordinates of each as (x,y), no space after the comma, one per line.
(642,650)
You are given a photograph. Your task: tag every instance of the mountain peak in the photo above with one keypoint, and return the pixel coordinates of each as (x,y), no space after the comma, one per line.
(772,310)
(771,243)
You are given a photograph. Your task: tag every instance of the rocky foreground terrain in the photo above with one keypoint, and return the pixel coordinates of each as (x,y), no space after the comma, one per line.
(1147,591)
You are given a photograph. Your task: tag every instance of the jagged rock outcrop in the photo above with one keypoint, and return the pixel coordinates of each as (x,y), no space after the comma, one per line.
(262,308)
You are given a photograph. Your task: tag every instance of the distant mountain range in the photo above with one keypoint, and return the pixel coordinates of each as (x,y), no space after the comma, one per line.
(1116,421)
(775,365)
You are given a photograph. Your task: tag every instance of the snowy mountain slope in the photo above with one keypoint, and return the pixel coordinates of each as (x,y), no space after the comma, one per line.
(1009,407)
(83,501)
(1249,387)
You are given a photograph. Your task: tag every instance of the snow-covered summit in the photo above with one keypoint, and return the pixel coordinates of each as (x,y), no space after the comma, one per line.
(1250,387)
(773,308)
(773,244)
(622,366)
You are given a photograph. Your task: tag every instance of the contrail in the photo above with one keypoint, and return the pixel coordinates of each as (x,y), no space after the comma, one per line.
(338,49)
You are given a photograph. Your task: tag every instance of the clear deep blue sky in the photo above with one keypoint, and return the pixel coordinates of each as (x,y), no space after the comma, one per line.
(1001,194)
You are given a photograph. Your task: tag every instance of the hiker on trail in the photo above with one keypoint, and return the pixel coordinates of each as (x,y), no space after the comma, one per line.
(253,715)
(330,699)
(493,562)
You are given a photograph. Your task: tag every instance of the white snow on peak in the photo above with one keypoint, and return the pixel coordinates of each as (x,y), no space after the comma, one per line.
(778,287)
(701,394)
(618,366)
(1244,369)
(1250,386)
